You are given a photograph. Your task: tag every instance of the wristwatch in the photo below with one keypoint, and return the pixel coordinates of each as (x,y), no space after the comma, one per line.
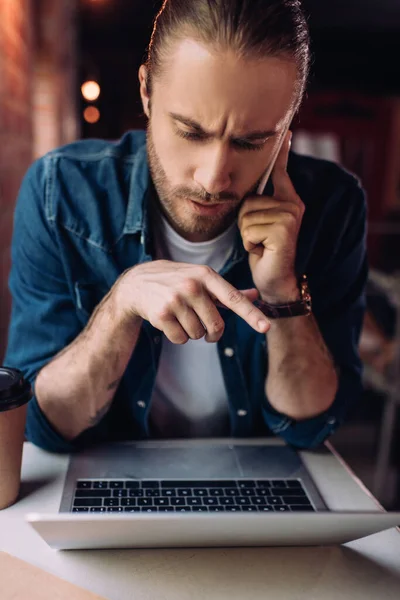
(299,308)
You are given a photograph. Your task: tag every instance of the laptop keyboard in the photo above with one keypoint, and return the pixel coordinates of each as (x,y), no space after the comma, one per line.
(244,495)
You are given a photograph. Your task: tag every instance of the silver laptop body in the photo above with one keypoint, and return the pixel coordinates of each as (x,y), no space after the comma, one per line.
(190,463)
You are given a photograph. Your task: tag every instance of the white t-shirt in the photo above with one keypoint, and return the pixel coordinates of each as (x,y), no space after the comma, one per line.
(189,397)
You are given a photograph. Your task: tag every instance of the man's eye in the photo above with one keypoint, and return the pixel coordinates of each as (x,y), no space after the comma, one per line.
(243,145)
(190,135)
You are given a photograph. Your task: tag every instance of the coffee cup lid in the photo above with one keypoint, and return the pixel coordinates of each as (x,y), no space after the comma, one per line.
(14,389)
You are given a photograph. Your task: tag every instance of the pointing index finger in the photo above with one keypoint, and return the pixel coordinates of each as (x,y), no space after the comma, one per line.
(229,297)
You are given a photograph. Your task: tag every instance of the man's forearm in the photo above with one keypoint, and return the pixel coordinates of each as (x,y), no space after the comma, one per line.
(76,389)
(302,381)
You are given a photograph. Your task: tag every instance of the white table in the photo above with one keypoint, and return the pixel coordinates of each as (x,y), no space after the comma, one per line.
(362,570)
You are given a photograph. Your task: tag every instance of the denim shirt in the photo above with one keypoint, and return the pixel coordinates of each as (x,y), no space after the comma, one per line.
(82,219)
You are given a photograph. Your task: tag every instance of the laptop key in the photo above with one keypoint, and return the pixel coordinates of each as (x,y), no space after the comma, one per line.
(168,492)
(161,501)
(199,509)
(200,492)
(116,484)
(83,484)
(278,483)
(295,500)
(248,492)
(288,492)
(260,500)
(100,485)
(210,501)
(226,501)
(152,493)
(120,493)
(266,508)
(232,492)
(98,509)
(251,508)
(185,492)
(132,485)
(183,509)
(282,508)
(80,509)
(178,502)
(132,509)
(87,502)
(294,483)
(274,501)
(128,502)
(145,502)
(242,501)
(151,485)
(166,509)
(111,502)
(92,493)
(216,492)
(233,508)
(217,508)
(246,484)
(115,509)
(263,492)
(263,483)
(149,509)
(135,493)
(194,501)
(301,507)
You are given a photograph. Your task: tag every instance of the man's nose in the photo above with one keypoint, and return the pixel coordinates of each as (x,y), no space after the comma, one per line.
(214,175)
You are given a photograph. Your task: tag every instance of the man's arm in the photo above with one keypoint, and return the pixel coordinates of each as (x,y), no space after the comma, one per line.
(314,368)
(302,381)
(76,389)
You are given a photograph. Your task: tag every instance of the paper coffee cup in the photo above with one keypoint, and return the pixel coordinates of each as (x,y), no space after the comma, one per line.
(15,392)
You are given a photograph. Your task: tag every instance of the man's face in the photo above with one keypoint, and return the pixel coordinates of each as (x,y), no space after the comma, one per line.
(214,123)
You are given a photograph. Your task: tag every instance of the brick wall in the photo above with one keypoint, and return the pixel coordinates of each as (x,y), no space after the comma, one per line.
(37,104)
(54,77)
(16,41)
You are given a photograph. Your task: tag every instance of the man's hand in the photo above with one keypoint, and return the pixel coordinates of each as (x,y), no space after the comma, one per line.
(180,300)
(270,228)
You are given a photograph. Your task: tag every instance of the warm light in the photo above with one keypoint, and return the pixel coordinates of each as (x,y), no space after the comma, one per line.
(91,114)
(90,90)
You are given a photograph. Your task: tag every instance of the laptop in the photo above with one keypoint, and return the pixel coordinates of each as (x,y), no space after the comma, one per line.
(192,493)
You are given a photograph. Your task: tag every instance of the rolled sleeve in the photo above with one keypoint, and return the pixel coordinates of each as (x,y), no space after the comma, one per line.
(338,306)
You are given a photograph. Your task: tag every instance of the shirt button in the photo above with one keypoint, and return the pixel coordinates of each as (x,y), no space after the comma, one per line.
(331,421)
(157,339)
(141,404)
(241,413)
(229,352)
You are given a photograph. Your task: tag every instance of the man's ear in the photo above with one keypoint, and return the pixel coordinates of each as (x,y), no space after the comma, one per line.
(144,92)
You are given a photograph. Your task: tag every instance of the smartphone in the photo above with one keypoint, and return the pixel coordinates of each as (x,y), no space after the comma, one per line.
(268,172)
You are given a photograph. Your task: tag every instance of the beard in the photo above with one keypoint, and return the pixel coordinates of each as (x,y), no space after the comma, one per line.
(172,203)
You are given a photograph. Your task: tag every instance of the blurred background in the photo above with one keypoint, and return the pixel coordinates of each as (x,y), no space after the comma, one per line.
(68,70)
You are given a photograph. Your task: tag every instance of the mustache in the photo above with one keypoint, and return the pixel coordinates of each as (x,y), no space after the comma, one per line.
(204,196)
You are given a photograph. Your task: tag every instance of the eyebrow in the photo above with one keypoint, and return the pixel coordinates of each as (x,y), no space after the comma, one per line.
(252,135)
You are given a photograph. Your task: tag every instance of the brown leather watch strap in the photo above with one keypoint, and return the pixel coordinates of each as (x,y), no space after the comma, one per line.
(299,308)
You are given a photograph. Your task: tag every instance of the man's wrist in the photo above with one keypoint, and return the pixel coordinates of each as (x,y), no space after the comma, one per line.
(282,294)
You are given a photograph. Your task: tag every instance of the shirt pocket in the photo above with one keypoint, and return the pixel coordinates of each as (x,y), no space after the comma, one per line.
(88,296)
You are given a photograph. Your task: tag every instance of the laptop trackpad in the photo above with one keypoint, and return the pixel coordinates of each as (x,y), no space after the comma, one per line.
(267,462)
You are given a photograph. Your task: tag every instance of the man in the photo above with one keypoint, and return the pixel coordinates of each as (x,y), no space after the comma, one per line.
(136,265)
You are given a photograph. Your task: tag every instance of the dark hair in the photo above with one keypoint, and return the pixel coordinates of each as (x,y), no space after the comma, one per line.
(252,28)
